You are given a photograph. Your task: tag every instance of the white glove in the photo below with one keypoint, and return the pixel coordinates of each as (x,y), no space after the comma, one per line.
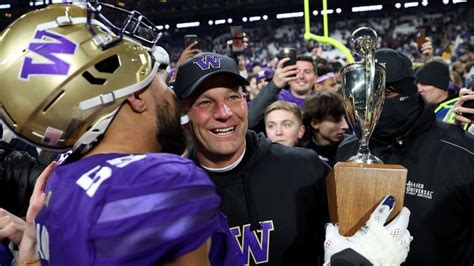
(381,245)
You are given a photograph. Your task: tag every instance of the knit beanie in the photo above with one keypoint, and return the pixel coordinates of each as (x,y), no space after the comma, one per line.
(434,73)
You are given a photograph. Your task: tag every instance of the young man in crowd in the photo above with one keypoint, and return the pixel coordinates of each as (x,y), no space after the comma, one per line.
(115,200)
(273,196)
(439,158)
(302,86)
(324,117)
(284,123)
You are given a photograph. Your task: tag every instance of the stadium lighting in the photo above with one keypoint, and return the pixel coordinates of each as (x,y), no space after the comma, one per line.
(315,12)
(265,17)
(368,8)
(219,21)
(329,11)
(188,24)
(289,15)
(244,19)
(229,20)
(167,26)
(398,5)
(459,1)
(5,6)
(338,10)
(36,3)
(424,2)
(410,4)
(255,18)
(210,22)
(160,27)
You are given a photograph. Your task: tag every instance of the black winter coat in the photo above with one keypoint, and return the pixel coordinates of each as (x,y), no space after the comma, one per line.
(283,190)
(18,173)
(439,190)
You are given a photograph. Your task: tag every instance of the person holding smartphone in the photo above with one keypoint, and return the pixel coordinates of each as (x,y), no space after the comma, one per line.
(302,85)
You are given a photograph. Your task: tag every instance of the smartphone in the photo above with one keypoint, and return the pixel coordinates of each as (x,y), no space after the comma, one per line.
(237,39)
(421,37)
(190,39)
(288,52)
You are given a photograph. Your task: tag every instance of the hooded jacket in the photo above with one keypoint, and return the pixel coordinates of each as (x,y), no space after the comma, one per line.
(439,190)
(281,192)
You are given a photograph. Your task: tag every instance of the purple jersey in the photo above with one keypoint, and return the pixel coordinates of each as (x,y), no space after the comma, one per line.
(112,209)
(286,95)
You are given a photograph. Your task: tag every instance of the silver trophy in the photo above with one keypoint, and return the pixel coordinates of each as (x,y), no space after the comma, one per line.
(363,89)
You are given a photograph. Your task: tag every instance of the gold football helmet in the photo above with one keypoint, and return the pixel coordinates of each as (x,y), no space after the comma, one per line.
(66,69)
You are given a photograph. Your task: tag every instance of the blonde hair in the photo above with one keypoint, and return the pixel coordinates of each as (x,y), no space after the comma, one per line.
(285,106)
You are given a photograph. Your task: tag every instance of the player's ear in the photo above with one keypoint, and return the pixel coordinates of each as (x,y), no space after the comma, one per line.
(136,102)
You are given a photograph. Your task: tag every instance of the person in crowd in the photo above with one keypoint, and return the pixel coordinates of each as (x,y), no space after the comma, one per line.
(463,109)
(117,189)
(324,116)
(256,67)
(269,94)
(284,123)
(264,77)
(439,189)
(433,81)
(326,80)
(275,213)
(251,90)
(302,86)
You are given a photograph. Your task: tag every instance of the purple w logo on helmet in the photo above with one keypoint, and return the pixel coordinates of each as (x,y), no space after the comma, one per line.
(48,45)
(207,61)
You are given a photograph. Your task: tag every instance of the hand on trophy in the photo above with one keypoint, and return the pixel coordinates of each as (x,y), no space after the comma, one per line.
(378,244)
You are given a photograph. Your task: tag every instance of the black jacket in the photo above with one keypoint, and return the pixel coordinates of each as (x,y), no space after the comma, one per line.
(283,189)
(18,173)
(439,191)
(259,104)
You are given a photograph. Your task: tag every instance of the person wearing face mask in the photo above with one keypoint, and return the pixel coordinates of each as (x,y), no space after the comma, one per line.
(439,158)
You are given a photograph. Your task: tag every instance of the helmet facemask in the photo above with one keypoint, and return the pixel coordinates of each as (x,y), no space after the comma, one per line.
(71,109)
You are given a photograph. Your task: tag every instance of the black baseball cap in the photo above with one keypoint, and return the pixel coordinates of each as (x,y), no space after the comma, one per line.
(194,71)
(397,65)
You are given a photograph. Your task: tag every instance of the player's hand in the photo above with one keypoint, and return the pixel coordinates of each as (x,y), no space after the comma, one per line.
(379,244)
(28,250)
(11,227)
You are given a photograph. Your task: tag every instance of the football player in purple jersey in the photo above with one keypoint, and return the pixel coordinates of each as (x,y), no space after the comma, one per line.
(75,81)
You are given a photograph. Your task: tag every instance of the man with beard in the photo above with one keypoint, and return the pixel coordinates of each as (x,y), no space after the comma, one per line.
(115,200)
(440,162)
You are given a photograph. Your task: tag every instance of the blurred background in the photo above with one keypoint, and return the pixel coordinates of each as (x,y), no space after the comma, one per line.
(271,25)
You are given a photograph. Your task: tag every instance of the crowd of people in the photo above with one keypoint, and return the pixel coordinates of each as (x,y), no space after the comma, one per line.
(220,158)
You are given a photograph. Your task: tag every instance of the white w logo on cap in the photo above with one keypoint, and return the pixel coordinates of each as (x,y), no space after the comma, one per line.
(207,61)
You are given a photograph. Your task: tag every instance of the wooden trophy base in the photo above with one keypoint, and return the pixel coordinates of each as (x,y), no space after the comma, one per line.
(355,189)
